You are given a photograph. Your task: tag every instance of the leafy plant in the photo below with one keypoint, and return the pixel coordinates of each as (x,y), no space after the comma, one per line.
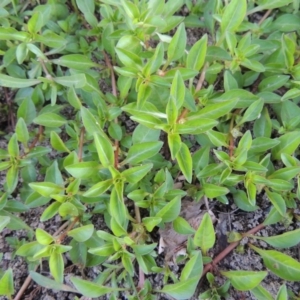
(216,120)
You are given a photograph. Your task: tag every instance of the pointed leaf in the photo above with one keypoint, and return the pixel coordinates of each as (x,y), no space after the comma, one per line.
(105,150)
(182,289)
(280,264)
(205,234)
(245,280)
(82,233)
(196,57)
(142,151)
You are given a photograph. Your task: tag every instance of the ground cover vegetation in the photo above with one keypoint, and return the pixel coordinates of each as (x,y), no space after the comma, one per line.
(216,120)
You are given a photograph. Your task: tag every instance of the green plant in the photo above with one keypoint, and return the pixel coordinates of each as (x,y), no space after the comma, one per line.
(222,112)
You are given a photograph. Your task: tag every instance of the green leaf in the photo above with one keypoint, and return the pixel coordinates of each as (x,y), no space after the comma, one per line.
(155,61)
(49,283)
(177,92)
(82,233)
(73,99)
(4,220)
(12,178)
(273,83)
(99,188)
(130,9)
(253,65)
(5,165)
(261,294)
(287,173)
(172,112)
(46,189)
(43,237)
(280,264)
(27,111)
(216,53)
(87,8)
(50,119)
(213,190)
(84,169)
(105,250)
(144,134)
(127,263)
(242,202)
(181,226)
(50,211)
(205,234)
(68,209)
(174,142)
(76,80)
(289,142)
(184,160)
(51,39)
(35,23)
(11,34)
(90,123)
(12,82)
(193,268)
(245,280)
(90,289)
(56,266)
(285,240)
(22,131)
(170,211)
(177,45)
(252,112)
(29,249)
(144,93)
(7,284)
(13,147)
(263,125)
(57,143)
(215,110)
(142,151)
(136,174)
(286,23)
(151,222)
(262,144)
(117,208)
(129,59)
(282,293)
(264,5)
(105,150)
(21,53)
(234,15)
(196,57)
(75,61)
(195,126)
(182,289)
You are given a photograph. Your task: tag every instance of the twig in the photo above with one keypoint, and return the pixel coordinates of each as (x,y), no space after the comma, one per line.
(64,234)
(10,110)
(141,273)
(228,249)
(268,12)
(24,286)
(201,78)
(112,74)
(81,140)
(42,62)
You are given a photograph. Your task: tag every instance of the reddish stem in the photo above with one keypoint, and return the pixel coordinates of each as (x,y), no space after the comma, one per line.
(228,249)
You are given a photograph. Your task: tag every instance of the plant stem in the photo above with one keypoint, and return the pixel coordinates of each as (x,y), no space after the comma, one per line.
(228,249)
